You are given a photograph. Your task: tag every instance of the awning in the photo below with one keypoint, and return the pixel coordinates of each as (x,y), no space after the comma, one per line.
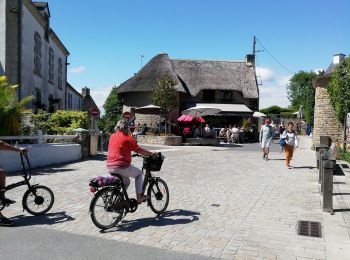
(230,109)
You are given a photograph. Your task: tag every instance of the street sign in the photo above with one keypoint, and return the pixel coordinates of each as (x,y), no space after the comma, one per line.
(94,112)
(127,115)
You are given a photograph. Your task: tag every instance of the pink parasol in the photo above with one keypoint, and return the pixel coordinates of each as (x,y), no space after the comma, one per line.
(188,119)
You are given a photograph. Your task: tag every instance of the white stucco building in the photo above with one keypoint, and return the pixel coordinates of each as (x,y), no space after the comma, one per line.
(74,99)
(32,55)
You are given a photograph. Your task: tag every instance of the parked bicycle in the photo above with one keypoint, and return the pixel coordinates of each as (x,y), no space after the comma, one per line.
(111,201)
(37,200)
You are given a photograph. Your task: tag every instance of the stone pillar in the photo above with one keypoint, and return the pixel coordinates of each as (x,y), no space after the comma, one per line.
(325,120)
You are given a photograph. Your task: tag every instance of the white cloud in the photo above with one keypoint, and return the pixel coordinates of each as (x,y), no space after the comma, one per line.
(274,92)
(265,74)
(100,95)
(77,70)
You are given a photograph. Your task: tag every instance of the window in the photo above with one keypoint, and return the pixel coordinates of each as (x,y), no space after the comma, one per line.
(226,95)
(60,73)
(51,65)
(37,54)
(70,101)
(209,95)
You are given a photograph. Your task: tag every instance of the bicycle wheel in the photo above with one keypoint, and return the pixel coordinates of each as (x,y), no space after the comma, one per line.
(38,200)
(105,208)
(159,196)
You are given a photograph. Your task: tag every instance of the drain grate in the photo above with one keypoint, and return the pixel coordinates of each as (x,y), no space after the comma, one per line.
(309,228)
(215,205)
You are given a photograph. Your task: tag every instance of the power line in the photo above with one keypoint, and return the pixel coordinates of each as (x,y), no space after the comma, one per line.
(274,57)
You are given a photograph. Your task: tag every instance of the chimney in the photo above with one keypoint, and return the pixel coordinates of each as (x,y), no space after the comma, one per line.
(337,58)
(85,92)
(250,60)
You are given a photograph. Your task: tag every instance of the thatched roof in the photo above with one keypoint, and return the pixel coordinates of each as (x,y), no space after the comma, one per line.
(146,78)
(195,75)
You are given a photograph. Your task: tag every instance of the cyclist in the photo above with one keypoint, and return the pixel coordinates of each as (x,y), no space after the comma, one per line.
(120,146)
(5,146)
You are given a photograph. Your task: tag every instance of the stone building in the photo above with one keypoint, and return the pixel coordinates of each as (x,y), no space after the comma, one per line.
(31,54)
(228,85)
(325,120)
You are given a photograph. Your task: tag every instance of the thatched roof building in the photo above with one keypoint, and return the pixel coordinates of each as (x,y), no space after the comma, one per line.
(195,75)
(199,81)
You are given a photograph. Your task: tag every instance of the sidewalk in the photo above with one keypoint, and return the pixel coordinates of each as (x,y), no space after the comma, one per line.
(225,202)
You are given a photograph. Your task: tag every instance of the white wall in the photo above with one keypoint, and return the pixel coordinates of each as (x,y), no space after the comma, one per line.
(30,81)
(75,100)
(41,155)
(2,36)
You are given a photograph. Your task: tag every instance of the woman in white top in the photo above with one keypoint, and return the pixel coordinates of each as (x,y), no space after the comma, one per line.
(291,141)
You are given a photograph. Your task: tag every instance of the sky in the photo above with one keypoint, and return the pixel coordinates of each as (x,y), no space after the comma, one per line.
(106,38)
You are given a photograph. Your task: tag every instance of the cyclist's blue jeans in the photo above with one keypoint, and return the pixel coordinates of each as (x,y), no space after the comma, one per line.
(130,171)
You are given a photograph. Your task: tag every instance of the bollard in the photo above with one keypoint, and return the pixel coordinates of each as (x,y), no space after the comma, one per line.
(327,184)
(323,158)
(320,153)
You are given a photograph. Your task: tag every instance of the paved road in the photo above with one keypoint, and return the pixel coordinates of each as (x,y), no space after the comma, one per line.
(32,243)
(225,202)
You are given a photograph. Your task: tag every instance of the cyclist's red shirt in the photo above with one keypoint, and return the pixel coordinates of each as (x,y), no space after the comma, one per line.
(119,150)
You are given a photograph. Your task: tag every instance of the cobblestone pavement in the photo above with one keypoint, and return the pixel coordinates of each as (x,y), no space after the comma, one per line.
(225,202)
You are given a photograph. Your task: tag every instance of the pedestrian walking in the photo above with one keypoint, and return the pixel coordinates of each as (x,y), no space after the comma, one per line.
(291,138)
(266,135)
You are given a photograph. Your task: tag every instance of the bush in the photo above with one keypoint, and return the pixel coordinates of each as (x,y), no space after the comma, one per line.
(61,122)
(345,156)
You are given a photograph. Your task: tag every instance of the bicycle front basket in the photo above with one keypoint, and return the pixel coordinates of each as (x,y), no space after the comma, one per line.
(153,163)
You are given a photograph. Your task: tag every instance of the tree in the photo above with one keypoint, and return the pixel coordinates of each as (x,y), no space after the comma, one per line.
(301,92)
(165,94)
(10,108)
(113,109)
(339,89)
(275,110)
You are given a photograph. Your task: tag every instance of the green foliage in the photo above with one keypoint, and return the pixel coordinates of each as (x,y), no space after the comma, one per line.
(113,109)
(61,122)
(301,92)
(10,108)
(42,121)
(345,156)
(275,110)
(339,89)
(165,94)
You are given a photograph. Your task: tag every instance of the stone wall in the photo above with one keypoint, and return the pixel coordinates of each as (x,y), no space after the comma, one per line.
(156,139)
(325,120)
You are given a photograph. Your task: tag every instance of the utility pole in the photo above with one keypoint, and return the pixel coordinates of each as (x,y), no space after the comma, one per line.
(254,43)
(141,57)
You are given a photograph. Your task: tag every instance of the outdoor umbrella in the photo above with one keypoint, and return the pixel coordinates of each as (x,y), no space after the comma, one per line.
(188,119)
(201,111)
(259,114)
(150,109)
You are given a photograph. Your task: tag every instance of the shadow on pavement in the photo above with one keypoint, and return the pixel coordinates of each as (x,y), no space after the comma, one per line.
(47,219)
(341,210)
(303,167)
(163,220)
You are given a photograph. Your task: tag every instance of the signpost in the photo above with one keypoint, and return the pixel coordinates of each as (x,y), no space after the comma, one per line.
(95,112)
